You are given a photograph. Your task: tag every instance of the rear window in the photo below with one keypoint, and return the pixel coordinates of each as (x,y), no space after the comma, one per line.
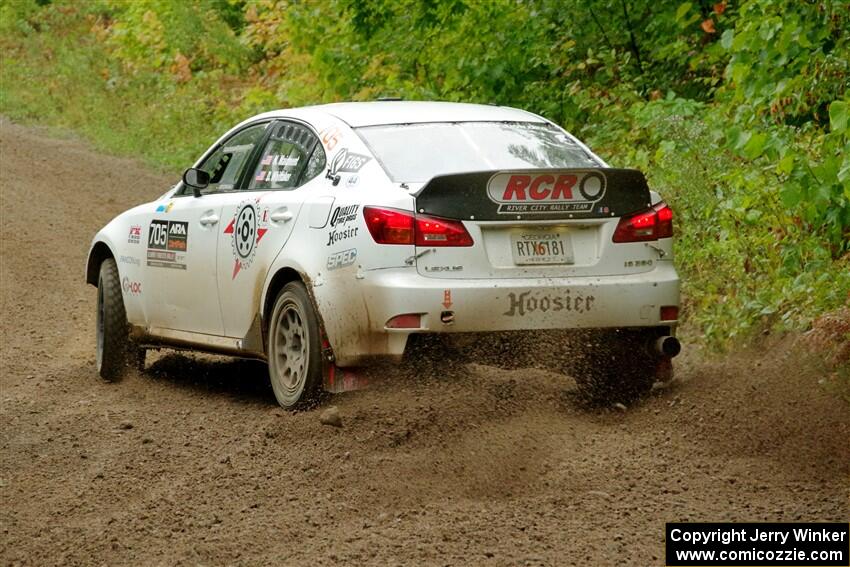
(415,153)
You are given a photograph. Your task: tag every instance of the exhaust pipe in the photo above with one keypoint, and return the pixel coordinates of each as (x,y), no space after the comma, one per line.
(667,346)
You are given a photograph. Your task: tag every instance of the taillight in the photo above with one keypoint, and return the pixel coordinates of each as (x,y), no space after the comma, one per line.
(652,224)
(389,226)
(433,231)
(665,220)
(392,226)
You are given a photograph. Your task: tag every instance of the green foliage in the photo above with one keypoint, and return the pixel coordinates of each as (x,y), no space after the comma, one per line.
(163,34)
(738,111)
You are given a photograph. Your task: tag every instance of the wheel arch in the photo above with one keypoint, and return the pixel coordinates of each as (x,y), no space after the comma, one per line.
(99,252)
(283,276)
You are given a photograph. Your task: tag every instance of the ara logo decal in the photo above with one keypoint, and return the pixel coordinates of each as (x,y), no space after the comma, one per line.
(573,191)
(247,229)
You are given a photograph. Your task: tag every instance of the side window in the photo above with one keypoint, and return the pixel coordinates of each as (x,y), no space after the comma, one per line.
(316,164)
(226,164)
(290,158)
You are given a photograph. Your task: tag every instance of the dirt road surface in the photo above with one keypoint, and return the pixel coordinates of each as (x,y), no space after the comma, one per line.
(192,463)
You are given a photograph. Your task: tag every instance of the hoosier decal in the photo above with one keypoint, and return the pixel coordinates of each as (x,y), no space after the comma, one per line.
(521,304)
(576,191)
(339,218)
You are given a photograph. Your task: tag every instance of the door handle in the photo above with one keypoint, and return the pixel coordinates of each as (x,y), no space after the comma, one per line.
(209,220)
(281,216)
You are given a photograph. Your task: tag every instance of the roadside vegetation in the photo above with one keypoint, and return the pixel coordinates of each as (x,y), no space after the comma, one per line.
(739,111)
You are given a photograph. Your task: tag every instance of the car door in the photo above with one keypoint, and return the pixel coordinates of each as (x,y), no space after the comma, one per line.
(182,241)
(256,228)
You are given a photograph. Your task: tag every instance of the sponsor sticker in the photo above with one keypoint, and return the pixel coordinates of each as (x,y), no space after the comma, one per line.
(165,208)
(340,218)
(342,259)
(330,137)
(165,240)
(277,168)
(576,191)
(528,302)
(344,215)
(131,287)
(247,230)
(346,161)
(131,260)
(178,234)
(135,235)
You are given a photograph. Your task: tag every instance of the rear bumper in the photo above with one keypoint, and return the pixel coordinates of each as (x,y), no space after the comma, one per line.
(490,305)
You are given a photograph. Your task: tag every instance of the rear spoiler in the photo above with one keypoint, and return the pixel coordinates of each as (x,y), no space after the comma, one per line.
(535,194)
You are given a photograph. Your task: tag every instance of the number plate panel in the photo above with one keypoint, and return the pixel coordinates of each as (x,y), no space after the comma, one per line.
(537,248)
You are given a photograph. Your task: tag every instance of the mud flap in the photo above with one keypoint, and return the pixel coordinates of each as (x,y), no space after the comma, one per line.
(335,379)
(664,370)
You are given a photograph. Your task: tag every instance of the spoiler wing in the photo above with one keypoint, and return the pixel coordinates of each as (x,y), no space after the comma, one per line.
(535,194)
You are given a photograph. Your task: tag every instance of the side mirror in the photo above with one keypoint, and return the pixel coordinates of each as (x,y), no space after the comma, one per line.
(197,179)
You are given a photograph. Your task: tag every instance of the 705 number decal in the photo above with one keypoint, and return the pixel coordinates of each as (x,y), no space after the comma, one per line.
(168,235)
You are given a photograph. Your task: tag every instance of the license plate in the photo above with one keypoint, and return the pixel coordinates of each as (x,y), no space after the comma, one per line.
(530,248)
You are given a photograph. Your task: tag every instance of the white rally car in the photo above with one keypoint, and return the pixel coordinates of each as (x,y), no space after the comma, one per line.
(326,238)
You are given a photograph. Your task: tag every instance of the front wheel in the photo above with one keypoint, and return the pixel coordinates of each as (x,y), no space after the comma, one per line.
(294,348)
(114,348)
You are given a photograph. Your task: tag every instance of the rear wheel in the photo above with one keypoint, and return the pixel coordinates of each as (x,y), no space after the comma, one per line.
(114,348)
(617,366)
(294,348)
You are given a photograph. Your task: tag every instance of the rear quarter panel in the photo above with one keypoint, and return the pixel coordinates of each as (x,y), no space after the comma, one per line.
(331,247)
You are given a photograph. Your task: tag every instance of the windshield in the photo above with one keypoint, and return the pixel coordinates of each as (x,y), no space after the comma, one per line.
(415,153)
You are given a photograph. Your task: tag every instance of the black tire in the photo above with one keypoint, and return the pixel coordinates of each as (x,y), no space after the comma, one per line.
(616,366)
(295,349)
(115,351)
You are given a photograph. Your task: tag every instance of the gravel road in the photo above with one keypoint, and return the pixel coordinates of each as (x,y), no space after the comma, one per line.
(192,463)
